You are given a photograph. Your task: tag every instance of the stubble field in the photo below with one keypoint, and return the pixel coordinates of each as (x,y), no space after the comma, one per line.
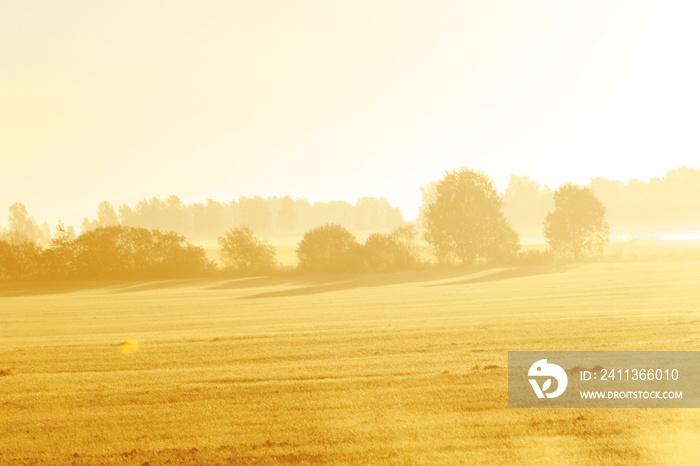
(406,368)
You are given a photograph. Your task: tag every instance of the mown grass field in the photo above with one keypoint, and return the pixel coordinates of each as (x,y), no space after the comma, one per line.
(406,368)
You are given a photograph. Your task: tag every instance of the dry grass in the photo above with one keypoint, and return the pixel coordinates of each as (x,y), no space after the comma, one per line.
(402,368)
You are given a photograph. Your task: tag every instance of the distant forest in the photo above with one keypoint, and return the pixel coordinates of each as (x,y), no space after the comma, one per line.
(264,216)
(672,201)
(271,216)
(661,203)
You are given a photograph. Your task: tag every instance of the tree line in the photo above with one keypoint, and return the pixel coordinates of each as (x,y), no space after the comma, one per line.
(668,201)
(115,252)
(134,253)
(463,224)
(265,216)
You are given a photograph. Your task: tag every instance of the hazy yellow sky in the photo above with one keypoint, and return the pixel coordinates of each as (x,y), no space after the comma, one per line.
(336,100)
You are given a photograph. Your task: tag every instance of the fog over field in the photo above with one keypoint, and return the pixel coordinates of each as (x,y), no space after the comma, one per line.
(407,367)
(279,232)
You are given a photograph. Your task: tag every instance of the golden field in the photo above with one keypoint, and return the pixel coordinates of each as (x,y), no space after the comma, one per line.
(404,368)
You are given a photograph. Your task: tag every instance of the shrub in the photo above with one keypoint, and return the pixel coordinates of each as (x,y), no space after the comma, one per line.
(132,253)
(386,253)
(329,249)
(242,253)
(19,260)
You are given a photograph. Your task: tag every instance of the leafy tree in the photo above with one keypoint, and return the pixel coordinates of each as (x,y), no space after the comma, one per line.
(576,227)
(59,258)
(106,215)
(243,253)
(23,228)
(465,223)
(330,248)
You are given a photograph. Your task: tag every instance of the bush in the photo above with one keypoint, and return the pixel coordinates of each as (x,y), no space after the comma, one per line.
(244,254)
(19,260)
(386,253)
(329,249)
(114,252)
(119,252)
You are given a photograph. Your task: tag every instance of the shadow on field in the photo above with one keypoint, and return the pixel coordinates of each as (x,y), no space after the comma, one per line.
(329,283)
(162,285)
(36,288)
(254,282)
(518,272)
(292,285)
(314,284)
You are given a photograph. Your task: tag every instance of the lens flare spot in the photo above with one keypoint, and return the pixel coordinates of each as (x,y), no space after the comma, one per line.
(128,346)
